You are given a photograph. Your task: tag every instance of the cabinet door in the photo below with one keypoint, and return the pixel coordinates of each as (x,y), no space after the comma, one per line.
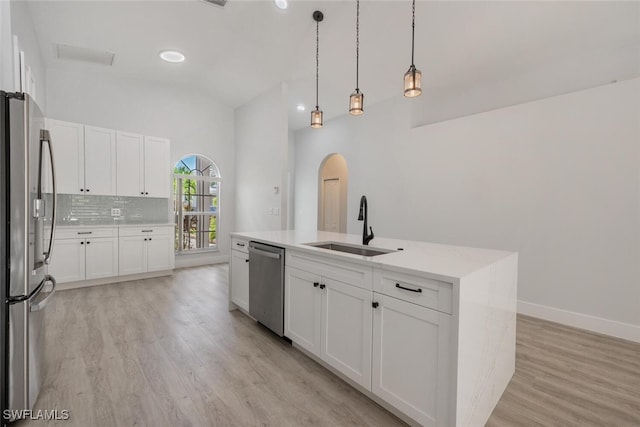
(302,309)
(101,258)
(240,279)
(411,350)
(132,255)
(129,164)
(346,330)
(67,141)
(99,161)
(68,261)
(160,252)
(156,165)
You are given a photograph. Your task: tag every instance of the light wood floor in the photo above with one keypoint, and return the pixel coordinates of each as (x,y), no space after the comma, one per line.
(166,352)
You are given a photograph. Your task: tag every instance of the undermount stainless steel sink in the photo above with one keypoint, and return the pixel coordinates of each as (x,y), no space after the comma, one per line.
(351,249)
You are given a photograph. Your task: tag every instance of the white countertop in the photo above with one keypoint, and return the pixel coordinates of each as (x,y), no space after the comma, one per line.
(442,262)
(143,224)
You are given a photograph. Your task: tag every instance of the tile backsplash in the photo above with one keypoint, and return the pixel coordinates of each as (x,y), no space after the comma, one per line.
(96,210)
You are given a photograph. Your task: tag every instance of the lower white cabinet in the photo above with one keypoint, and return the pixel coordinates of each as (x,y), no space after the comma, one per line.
(346,330)
(411,357)
(240,279)
(331,320)
(84,254)
(146,249)
(395,343)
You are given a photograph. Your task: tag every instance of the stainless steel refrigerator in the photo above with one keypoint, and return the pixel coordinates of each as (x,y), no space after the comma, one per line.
(26,212)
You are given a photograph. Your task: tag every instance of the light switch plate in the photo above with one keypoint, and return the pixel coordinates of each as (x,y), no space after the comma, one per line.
(115,211)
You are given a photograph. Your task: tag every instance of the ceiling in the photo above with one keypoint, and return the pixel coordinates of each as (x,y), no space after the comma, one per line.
(237,52)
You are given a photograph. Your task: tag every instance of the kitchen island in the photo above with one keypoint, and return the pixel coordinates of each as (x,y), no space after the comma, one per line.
(426,330)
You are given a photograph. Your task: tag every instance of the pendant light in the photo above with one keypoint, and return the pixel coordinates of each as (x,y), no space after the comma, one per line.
(316,115)
(413,77)
(356,100)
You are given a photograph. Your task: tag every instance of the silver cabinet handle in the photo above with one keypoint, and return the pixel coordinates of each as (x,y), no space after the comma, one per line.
(42,304)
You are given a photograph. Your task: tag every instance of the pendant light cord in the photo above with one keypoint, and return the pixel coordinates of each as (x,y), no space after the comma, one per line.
(357,43)
(317,58)
(413,30)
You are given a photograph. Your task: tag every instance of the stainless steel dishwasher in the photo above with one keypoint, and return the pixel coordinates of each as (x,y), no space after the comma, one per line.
(266,285)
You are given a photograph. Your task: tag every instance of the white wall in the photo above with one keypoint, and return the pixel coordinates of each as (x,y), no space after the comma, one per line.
(193,121)
(557,180)
(261,130)
(23,27)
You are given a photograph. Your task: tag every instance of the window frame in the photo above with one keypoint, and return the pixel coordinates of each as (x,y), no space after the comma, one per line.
(179,212)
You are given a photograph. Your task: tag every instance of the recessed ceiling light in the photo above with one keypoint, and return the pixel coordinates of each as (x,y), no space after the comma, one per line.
(171,56)
(281,4)
(301,107)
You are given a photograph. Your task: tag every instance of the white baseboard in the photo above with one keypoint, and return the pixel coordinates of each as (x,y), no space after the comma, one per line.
(195,260)
(613,328)
(113,279)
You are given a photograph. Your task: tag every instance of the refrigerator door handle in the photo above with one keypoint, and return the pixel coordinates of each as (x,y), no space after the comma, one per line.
(45,136)
(43,304)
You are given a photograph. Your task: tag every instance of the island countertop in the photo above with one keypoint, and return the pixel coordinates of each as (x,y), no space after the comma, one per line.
(438,261)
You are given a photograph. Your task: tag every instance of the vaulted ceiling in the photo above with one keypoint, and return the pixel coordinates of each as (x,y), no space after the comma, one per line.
(235,53)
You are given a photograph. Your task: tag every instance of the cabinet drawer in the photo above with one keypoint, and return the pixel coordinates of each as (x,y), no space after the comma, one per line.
(342,271)
(84,233)
(418,290)
(239,244)
(147,231)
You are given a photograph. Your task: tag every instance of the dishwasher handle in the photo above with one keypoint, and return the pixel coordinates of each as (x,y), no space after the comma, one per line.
(264,253)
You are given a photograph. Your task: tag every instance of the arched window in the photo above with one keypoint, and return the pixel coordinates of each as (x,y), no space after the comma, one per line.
(196,199)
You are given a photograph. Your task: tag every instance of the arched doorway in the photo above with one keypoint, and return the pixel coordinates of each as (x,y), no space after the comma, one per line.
(333,180)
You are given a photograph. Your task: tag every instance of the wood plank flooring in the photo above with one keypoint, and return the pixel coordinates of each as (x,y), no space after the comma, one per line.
(166,352)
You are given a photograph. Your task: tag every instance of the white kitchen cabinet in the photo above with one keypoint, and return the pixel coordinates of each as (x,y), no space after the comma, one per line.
(99,161)
(84,254)
(143,166)
(346,330)
(132,254)
(67,142)
(68,260)
(303,309)
(331,320)
(101,257)
(239,289)
(157,171)
(146,249)
(411,357)
(85,159)
(160,251)
(130,164)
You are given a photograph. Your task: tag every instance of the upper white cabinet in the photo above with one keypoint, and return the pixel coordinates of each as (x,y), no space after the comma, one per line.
(157,171)
(85,159)
(99,161)
(130,164)
(143,165)
(67,142)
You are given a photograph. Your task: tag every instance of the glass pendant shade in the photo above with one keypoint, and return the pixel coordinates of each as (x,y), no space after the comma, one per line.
(316,118)
(412,82)
(356,103)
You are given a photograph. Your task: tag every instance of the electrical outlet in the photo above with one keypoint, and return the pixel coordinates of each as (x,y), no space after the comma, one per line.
(115,211)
